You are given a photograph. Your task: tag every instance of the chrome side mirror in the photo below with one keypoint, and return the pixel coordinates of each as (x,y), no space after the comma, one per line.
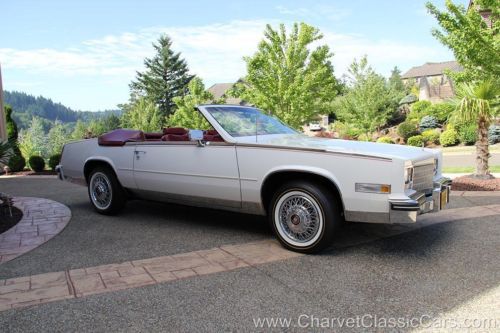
(197,135)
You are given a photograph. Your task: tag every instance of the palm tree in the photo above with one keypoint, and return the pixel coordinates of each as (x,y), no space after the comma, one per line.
(478,102)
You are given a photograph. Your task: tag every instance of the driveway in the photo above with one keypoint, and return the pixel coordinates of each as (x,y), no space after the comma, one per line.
(430,272)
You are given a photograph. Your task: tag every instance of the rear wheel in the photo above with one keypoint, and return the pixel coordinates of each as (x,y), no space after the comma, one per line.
(105,192)
(304,216)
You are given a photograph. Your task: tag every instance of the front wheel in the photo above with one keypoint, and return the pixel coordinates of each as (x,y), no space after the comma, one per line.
(304,216)
(105,192)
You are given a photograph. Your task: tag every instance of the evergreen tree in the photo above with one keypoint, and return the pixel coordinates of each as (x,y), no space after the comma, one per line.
(395,80)
(166,76)
(12,131)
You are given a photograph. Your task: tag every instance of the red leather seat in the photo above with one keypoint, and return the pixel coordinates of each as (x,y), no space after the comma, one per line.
(211,132)
(213,138)
(175,131)
(153,136)
(175,137)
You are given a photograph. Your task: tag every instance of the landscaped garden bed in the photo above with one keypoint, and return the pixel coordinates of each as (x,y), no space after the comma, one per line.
(469,183)
(9,215)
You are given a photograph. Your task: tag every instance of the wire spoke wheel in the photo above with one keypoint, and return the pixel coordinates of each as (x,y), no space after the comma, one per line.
(101,192)
(298,218)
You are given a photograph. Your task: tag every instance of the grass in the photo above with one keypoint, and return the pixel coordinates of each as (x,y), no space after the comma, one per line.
(468,149)
(468,169)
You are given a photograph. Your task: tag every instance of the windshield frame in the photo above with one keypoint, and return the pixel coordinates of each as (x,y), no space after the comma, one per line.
(226,135)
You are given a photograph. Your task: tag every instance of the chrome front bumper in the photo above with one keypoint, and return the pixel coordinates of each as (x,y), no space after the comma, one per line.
(406,210)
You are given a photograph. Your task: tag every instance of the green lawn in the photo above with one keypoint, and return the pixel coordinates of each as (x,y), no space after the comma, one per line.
(468,149)
(468,169)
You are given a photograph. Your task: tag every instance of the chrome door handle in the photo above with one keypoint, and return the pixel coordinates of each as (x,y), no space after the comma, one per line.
(138,154)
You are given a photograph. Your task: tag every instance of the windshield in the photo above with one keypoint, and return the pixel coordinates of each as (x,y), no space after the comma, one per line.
(247,121)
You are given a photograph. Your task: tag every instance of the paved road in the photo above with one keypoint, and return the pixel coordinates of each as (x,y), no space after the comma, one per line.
(429,271)
(467,160)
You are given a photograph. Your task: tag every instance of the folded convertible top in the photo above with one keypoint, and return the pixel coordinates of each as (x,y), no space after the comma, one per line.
(119,137)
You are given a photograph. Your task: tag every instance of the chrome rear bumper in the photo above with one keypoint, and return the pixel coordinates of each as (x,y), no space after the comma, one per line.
(60,172)
(406,210)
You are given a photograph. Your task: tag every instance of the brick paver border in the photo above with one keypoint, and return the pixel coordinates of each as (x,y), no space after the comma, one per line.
(75,283)
(42,219)
(49,287)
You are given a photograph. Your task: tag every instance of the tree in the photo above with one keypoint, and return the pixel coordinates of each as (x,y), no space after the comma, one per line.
(287,79)
(12,130)
(57,137)
(395,81)
(143,115)
(166,77)
(186,115)
(80,131)
(110,123)
(369,101)
(475,44)
(33,140)
(478,102)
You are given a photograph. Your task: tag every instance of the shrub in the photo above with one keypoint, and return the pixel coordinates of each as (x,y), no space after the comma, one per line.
(54,161)
(431,136)
(428,122)
(494,134)
(441,111)
(418,110)
(36,163)
(448,137)
(363,137)
(385,139)
(416,141)
(420,106)
(17,163)
(467,134)
(407,129)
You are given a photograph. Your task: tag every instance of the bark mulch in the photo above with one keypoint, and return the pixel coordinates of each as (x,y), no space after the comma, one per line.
(6,220)
(468,183)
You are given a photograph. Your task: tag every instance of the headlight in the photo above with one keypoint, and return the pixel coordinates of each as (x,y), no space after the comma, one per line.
(408,177)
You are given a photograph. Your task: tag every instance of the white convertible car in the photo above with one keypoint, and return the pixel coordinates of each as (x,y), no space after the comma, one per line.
(252,163)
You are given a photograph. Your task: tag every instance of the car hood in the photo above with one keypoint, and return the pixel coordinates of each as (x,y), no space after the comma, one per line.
(392,151)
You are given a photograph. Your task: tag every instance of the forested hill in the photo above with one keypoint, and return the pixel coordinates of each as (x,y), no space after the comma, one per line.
(26,106)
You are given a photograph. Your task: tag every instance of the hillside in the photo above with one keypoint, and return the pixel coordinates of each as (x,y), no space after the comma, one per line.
(26,106)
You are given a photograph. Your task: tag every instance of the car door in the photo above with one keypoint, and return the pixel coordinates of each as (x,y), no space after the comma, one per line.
(186,172)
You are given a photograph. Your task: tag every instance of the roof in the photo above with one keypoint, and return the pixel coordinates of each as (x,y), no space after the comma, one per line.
(431,69)
(218,90)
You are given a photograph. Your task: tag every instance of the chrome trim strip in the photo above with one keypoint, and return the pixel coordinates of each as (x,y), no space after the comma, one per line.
(186,174)
(314,150)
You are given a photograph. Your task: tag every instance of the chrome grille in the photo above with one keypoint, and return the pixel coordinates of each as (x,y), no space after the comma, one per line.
(423,177)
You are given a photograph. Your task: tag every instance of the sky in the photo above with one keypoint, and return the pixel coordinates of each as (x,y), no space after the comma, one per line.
(84,53)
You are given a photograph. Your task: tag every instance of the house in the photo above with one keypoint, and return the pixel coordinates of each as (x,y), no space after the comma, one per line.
(434,85)
(484,12)
(219,90)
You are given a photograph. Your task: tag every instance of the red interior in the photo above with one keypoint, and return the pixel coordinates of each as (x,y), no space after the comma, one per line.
(120,136)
